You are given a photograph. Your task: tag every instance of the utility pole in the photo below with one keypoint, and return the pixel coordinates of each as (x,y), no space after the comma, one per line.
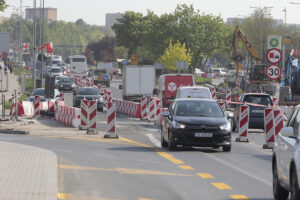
(283,46)
(21,47)
(34,46)
(42,42)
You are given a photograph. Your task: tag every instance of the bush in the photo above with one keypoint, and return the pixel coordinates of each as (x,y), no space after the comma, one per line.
(200,80)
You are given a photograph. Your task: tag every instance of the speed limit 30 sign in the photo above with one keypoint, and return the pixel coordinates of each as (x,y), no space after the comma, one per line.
(273,72)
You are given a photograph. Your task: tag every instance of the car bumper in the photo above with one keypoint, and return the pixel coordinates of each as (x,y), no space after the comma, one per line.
(256,122)
(99,104)
(187,138)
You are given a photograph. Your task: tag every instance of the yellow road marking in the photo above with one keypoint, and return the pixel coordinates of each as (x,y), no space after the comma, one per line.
(222,186)
(61,196)
(185,167)
(239,197)
(134,142)
(205,175)
(123,170)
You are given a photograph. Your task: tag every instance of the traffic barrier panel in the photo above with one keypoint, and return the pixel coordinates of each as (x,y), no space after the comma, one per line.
(222,105)
(144,107)
(228,97)
(36,105)
(151,109)
(92,114)
(61,97)
(84,112)
(269,128)
(213,92)
(278,121)
(111,117)
(275,102)
(243,124)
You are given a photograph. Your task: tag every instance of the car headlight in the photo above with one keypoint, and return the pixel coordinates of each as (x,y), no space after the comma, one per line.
(226,127)
(178,125)
(73,85)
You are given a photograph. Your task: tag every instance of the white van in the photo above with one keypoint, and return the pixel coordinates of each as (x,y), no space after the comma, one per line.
(193,92)
(78,65)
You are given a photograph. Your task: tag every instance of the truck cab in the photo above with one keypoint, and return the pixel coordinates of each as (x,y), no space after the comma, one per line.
(168,85)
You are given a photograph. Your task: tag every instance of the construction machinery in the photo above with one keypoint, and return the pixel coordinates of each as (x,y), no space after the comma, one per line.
(257,78)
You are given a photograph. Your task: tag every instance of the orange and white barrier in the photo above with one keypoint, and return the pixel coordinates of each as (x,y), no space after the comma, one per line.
(269,128)
(213,92)
(36,105)
(243,124)
(92,114)
(228,97)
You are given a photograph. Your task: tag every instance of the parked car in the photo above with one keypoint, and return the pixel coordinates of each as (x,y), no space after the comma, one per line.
(89,93)
(193,92)
(41,93)
(198,72)
(256,113)
(286,160)
(195,122)
(66,84)
(57,79)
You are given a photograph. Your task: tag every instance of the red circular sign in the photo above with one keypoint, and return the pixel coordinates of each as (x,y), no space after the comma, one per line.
(274,55)
(273,72)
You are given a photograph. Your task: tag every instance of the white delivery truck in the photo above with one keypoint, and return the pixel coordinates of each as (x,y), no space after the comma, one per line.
(138,81)
(78,65)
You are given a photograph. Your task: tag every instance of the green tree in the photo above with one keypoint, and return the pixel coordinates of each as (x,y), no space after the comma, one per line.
(2,5)
(175,52)
(120,52)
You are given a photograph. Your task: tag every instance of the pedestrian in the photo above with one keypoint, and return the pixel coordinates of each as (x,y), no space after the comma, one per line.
(243,83)
(5,70)
(10,69)
(0,67)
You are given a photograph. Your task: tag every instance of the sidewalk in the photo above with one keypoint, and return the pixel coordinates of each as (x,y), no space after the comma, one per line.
(27,173)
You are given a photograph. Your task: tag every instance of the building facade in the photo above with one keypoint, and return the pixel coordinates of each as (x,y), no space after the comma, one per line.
(50,13)
(112,18)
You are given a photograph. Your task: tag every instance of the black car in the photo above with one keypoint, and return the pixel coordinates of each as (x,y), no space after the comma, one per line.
(89,93)
(256,113)
(66,84)
(195,122)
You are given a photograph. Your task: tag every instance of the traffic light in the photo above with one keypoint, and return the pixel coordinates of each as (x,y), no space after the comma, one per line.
(40,57)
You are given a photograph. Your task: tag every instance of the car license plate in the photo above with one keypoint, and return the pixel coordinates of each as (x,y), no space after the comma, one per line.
(203,134)
(258,111)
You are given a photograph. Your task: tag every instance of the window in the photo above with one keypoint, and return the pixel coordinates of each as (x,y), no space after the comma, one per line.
(296,124)
(258,99)
(78,59)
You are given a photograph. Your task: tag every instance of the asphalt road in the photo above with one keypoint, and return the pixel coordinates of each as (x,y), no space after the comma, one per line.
(136,167)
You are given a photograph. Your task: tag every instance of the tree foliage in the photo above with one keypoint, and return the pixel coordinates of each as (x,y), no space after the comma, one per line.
(149,35)
(2,5)
(175,52)
(102,50)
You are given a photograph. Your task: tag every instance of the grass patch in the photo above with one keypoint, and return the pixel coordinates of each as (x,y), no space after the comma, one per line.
(201,80)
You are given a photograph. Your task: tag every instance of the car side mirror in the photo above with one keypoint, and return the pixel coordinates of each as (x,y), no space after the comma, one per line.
(166,114)
(287,132)
(154,91)
(229,115)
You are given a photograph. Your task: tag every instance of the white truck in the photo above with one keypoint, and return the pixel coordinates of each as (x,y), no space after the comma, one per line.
(4,44)
(137,81)
(78,65)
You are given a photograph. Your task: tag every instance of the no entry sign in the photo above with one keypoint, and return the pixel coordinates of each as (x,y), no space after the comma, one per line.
(274,56)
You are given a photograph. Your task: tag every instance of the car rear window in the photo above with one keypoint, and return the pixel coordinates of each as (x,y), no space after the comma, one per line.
(38,92)
(88,91)
(258,99)
(198,108)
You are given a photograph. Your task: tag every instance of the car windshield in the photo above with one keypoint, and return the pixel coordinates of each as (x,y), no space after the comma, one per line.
(66,80)
(58,78)
(38,92)
(88,91)
(258,99)
(55,70)
(198,108)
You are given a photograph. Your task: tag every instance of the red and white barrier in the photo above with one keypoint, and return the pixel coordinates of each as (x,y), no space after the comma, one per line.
(67,115)
(61,97)
(275,102)
(278,121)
(213,92)
(269,128)
(243,124)
(84,111)
(228,98)
(144,107)
(36,105)
(92,114)
(111,117)
(130,108)
(222,105)
(151,109)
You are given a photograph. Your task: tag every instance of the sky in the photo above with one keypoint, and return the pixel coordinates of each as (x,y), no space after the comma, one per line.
(93,11)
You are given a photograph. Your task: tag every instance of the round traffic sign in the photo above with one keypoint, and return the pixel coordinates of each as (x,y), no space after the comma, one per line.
(273,72)
(274,55)
(274,42)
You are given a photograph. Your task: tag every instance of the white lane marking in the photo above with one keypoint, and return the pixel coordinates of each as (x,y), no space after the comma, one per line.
(155,141)
(238,169)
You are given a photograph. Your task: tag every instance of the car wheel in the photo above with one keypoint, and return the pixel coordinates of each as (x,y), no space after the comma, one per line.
(162,140)
(171,145)
(295,192)
(227,148)
(278,191)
